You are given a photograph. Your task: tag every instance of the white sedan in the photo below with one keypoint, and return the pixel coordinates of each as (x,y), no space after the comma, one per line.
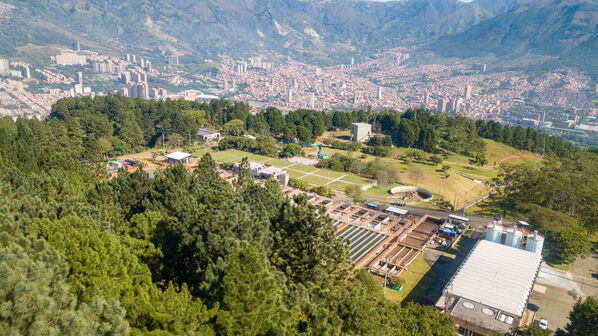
(543,323)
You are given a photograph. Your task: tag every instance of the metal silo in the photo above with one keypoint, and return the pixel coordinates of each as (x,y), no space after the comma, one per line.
(513,238)
(494,232)
(534,243)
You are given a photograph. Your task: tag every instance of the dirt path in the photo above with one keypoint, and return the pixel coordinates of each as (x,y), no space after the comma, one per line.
(498,163)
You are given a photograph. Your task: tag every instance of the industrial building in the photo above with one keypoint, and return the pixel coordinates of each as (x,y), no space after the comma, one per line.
(205,134)
(515,237)
(490,290)
(361,132)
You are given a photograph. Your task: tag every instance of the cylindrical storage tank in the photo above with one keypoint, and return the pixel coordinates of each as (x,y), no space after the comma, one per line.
(493,233)
(535,243)
(513,238)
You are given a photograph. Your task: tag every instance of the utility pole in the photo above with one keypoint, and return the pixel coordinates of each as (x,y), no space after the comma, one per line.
(163,147)
(385,274)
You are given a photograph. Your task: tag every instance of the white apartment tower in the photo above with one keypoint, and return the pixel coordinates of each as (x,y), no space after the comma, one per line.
(467,93)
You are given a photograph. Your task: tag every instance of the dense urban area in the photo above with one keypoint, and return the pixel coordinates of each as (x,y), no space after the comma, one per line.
(560,102)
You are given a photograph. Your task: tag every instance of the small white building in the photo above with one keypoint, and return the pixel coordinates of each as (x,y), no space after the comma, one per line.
(275,173)
(178,157)
(361,132)
(260,170)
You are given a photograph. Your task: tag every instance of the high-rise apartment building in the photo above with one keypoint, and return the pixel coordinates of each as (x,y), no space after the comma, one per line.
(143,90)
(125,77)
(76,46)
(452,105)
(442,105)
(173,60)
(379,93)
(312,100)
(467,93)
(4,65)
(25,72)
(80,78)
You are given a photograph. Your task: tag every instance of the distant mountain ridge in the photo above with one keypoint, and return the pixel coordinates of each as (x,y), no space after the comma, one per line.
(325,31)
(318,29)
(563,28)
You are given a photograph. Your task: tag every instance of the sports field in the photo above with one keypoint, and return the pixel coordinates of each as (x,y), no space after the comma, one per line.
(313,175)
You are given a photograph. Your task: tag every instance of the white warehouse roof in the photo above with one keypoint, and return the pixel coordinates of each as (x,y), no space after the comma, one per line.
(465,219)
(496,275)
(397,211)
(178,155)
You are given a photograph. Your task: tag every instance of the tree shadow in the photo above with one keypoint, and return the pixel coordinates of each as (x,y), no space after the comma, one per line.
(441,271)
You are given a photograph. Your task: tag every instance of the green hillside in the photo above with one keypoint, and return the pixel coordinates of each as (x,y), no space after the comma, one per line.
(562,28)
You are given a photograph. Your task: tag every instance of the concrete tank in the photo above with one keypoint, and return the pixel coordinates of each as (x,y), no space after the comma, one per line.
(534,243)
(513,238)
(494,232)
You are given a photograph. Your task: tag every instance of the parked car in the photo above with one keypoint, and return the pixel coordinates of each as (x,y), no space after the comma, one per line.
(543,323)
(532,307)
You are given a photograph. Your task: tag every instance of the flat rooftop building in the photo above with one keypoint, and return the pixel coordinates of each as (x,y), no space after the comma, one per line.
(178,157)
(490,290)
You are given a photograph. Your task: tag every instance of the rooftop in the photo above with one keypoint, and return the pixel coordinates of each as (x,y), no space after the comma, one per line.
(272,170)
(396,210)
(205,131)
(361,124)
(178,155)
(497,276)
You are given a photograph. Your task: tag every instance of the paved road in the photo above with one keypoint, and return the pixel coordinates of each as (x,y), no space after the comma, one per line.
(477,222)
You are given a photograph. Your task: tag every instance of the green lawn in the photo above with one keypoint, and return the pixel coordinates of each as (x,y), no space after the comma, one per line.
(318,177)
(302,168)
(418,278)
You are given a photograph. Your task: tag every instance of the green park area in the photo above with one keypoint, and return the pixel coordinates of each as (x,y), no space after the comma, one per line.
(455,180)
(313,175)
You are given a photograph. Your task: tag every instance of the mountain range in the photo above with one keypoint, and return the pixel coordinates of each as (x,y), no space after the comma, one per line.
(325,31)
(567,29)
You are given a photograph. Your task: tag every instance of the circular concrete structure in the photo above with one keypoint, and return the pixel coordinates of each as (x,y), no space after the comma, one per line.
(412,192)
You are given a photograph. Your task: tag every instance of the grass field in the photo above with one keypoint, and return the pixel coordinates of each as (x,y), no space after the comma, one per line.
(456,189)
(314,176)
(418,278)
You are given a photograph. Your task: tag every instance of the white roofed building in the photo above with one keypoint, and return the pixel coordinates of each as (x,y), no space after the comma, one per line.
(178,157)
(490,290)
